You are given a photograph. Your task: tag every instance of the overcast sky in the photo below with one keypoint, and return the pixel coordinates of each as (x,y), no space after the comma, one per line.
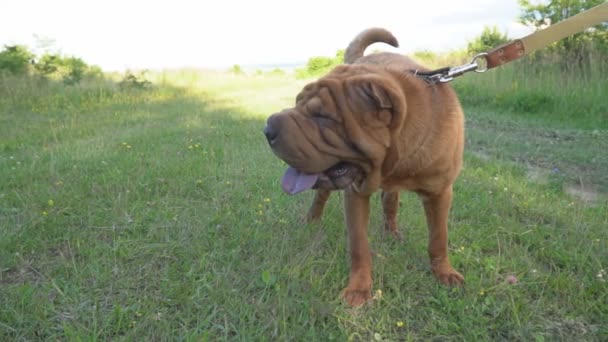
(119,34)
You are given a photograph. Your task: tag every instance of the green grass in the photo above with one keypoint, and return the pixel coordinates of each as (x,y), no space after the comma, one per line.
(157,214)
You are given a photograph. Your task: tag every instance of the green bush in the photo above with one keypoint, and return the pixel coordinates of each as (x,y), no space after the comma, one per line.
(425,56)
(237,70)
(18,60)
(320,65)
(48,64)
(94,71)
(134,81)
(490,38)
(15,59)
(339,58)
(276,72)
(74,69)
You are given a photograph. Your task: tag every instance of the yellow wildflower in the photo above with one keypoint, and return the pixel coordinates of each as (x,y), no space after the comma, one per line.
(378,294)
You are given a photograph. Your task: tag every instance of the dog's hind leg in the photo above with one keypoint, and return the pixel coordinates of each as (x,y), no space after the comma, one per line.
(318,204)
(390,206)
(437,208)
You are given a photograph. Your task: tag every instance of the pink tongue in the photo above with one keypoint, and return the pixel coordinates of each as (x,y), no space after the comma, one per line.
(295,181)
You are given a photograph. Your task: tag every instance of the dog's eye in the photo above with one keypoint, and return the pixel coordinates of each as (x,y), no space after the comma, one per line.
(323,119)
(339,171)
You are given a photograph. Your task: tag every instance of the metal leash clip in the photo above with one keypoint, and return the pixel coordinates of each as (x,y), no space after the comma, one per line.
(460,70)
(447,74)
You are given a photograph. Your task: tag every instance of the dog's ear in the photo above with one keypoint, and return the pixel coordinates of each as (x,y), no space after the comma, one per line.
(383,102)
(371,93)
(374,94)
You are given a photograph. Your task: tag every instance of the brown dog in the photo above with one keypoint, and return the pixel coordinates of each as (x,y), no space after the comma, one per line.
(368,126)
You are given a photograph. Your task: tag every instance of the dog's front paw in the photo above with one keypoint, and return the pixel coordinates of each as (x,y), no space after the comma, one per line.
(356,297)
(447,275)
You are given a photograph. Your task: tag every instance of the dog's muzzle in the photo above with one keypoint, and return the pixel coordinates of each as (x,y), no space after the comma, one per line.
(271,132)
(336,175)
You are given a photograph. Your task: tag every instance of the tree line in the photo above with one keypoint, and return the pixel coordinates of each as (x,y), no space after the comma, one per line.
(19,60)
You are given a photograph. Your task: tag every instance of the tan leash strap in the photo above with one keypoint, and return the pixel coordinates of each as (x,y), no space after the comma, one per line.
(539,39)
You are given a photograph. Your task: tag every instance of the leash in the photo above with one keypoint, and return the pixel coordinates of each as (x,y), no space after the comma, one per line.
(518,48)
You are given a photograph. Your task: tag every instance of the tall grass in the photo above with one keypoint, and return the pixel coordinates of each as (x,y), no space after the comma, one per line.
(545,87)
(22,91)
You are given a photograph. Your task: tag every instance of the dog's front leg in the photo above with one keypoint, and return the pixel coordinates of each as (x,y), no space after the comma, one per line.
(437,208)
(359,288)
(317,206)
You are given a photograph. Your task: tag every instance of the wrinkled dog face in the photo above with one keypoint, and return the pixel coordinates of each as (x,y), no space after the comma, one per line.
(311,138)
(321,137)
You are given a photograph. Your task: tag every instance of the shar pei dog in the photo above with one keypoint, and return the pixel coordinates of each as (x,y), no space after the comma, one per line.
(368,125)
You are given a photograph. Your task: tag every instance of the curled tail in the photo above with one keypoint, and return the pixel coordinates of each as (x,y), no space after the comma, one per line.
(366,38)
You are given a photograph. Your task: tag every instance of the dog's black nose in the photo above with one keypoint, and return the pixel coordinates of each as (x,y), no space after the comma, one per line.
(271,133)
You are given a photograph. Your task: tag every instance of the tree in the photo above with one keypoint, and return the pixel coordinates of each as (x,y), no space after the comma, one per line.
(490,38)
(540,15)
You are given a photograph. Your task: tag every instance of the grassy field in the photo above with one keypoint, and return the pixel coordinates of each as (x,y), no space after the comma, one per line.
(156,214)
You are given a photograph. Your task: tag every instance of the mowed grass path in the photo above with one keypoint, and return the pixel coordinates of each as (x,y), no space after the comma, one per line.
(157,215)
